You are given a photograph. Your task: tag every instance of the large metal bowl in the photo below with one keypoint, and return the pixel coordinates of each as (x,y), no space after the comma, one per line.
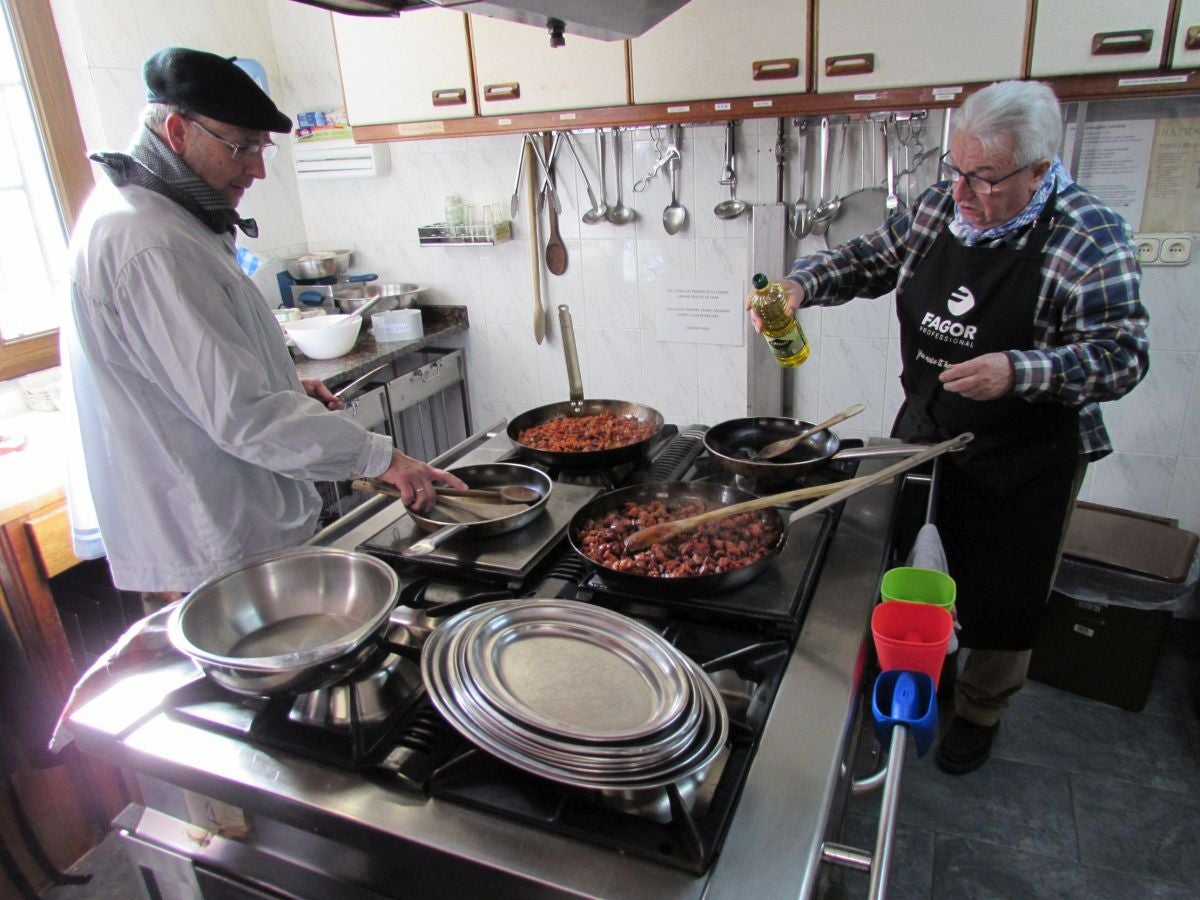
(286,622)
(395,295)
(318,264)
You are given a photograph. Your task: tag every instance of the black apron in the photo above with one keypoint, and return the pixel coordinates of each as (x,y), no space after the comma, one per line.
(1003,499)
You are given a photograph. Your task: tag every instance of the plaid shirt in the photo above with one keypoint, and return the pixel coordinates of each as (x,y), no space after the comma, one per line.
(1089,326)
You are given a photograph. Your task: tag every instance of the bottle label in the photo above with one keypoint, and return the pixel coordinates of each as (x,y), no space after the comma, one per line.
(788,344)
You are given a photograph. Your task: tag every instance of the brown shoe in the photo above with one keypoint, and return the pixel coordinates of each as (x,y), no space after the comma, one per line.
(965,746)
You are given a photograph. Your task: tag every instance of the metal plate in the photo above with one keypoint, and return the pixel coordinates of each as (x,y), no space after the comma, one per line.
(571,673)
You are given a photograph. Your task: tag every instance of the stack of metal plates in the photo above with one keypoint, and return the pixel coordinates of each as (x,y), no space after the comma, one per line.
(575,693)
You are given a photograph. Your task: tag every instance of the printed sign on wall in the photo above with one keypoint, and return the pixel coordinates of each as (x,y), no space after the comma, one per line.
(700,312)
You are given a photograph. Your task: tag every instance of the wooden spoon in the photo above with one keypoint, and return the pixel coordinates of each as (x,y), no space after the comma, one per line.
(778,448)
(830,494)
(556,250)
(535,263)
(510,493)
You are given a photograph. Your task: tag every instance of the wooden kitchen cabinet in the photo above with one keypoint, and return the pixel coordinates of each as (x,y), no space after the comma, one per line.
(1186,53)
(411,68)
(69,800)
(1073,38)
(868,44)
(517,71)
(713,48)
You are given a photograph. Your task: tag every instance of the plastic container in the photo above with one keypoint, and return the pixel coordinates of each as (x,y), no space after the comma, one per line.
(908,699)
(917,585)
(397,325)
(324,337)
(912,637)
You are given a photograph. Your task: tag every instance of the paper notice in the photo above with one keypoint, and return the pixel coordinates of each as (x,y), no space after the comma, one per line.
(1113,164)
(700,312)
(1173,193)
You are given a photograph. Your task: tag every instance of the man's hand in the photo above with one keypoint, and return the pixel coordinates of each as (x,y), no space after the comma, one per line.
(316,389)
(982,378)
(415,481)
(795,299)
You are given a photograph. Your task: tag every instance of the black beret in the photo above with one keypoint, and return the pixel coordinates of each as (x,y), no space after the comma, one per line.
(212,86)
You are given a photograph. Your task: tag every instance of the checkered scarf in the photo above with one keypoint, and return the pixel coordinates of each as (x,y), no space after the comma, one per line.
(970,235)
(151,164)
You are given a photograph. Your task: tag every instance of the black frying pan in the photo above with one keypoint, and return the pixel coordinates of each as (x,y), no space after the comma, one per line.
(673,492)
(733,442)
(576,407)
(488,475)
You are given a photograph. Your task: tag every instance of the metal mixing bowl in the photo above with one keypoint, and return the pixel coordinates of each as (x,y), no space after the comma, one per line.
(285,622)
(395,295)
(318,264)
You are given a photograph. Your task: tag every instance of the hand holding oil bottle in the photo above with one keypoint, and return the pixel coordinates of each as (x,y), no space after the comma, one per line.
(776,321)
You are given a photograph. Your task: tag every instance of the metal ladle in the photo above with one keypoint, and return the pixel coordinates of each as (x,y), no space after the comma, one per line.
(619,214)
(733,207)
(599,206)
(826,209)
(675,216)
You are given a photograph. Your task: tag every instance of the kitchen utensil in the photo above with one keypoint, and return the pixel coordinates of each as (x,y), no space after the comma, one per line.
(864,209)
(515,203)
(286,622)
(577,406)
(800,223)
(394,295)
(510,493)
(546,161)
(826,209)
(843,491)
(733,443)
(778,448)
(912,637)
(733,207)
(675,494)
(599,211)
(675,215)
(556,250)
(318,338)
(599,207)
(535,262)
(318,264)
(507,518)
(620,214)
(913,584)
(659,534)
(893,199)
(907,700)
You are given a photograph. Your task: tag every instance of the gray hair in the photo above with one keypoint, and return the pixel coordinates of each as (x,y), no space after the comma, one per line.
(155,114)
(1026,110)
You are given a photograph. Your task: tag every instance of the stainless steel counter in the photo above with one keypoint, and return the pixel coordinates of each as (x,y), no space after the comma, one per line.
(347,827)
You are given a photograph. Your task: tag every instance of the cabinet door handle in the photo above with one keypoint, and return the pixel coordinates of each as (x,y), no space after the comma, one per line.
(450,97)
(509,90)
(853,64)
(769,69)
(1192,40)
(1106,43)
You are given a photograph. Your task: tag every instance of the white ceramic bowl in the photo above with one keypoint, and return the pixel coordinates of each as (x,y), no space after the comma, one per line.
(324,337)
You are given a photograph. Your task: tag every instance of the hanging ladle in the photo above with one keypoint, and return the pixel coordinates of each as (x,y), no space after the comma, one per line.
(599,206)
(826,209)
(733,207)
(675,215)
(619,214)
(778,448)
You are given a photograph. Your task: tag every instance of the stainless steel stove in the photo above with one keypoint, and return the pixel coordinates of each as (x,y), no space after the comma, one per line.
(370,763)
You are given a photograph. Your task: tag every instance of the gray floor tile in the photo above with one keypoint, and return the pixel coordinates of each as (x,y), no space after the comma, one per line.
(1176,679)
(975,870)
(1019,806)
(1147,832)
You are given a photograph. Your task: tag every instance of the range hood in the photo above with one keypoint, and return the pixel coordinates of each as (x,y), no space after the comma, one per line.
(604,20)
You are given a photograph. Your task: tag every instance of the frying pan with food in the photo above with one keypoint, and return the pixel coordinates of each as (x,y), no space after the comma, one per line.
(576,407)
(673,494)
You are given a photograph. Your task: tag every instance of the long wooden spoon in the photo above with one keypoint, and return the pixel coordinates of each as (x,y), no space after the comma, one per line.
(830,494)
(778,448)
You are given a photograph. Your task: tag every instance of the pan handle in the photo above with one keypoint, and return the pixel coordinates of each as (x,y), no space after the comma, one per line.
(574,378)
(434,540)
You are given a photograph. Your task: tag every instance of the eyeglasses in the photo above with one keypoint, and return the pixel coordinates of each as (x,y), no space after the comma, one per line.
(240,152)
(976,183)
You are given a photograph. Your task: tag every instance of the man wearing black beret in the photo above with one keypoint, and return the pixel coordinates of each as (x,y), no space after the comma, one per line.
(200,442)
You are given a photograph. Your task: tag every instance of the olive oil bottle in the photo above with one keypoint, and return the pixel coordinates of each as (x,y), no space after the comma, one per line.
(780,329)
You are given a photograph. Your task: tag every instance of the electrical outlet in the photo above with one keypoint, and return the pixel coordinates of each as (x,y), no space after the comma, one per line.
(1163,249)
(1175,251)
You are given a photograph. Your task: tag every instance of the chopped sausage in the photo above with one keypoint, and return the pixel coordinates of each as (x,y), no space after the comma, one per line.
(575,434)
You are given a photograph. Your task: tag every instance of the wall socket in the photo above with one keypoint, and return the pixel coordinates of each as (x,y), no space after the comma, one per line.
(1163,249)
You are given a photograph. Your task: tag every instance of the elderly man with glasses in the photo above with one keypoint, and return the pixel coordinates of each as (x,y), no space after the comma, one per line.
(201,443)
(1018,308)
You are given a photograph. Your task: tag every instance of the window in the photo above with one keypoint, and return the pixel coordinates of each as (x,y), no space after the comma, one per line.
(44,179)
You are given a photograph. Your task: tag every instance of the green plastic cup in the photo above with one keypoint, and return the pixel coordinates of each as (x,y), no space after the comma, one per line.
(916,585)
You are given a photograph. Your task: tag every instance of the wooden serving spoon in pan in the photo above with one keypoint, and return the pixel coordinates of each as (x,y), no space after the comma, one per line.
(778,448)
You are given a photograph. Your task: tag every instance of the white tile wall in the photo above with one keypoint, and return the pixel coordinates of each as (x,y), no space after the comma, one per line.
(612,271)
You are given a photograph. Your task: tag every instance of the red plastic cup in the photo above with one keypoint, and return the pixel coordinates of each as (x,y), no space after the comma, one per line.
(912,637)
